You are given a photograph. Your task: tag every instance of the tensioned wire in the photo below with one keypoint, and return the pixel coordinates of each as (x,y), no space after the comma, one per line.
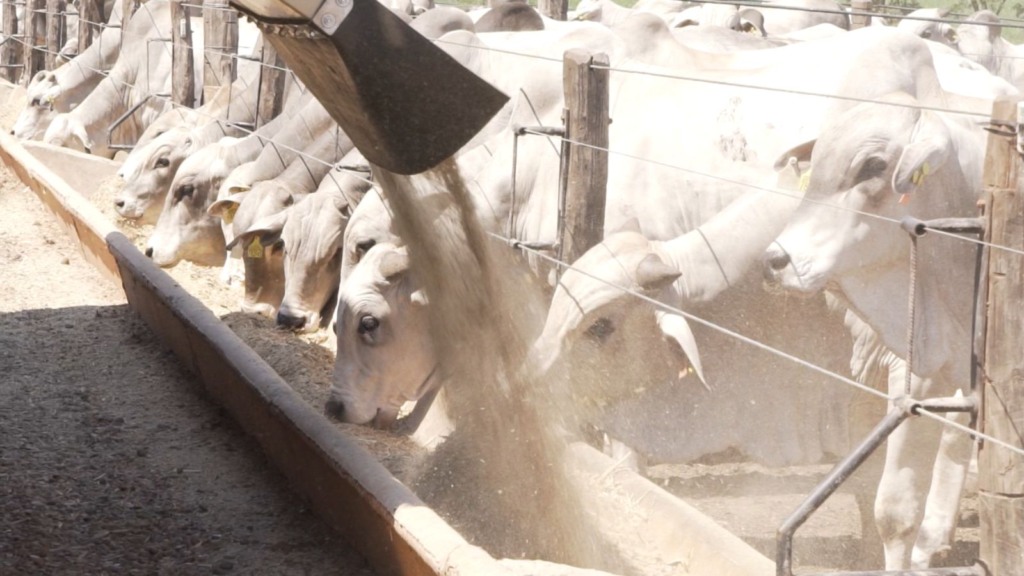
(752,342)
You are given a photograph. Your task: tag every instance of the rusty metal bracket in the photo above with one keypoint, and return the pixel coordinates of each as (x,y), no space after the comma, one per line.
(903,407)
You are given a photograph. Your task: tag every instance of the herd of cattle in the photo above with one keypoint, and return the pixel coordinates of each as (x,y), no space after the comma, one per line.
(749,148)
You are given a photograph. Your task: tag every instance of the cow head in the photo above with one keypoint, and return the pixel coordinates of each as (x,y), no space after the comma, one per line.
(147,174)
(930,29)
(381,319)
(263,262)
(43,105)
(611,342)
(979,39)
(310,233)
(184,229)
(870,167)
(371,224)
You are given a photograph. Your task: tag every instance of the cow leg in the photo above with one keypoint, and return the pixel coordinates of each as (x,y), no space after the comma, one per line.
(943,505)
(902,491)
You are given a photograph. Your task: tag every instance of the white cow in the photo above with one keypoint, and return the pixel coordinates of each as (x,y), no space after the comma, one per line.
(870,167)
(723,131)
(148,170)
(300,178)
(184,230)
(52,92)
(932,28)
(980,39)
(140,76)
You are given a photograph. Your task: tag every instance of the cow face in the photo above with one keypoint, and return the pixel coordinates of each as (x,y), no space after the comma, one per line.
(874,165)
(611,342)
(384,356)
(371,224)
(262,257)
(310,233)
(42,94)
(147,174)
(184,230)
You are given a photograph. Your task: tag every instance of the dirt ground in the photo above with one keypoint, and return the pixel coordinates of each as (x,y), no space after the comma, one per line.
(111,461)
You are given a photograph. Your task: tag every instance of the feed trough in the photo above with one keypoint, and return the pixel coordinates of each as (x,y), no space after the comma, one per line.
(342,480)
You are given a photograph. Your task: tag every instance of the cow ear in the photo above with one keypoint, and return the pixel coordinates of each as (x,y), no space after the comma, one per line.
(926,153)
(653,274)
(435,204)
(674,328)
(79,132)
(226,207)
(268,229)
(393,264)
(630,225)
(751,19)
(419,298)
(800,154)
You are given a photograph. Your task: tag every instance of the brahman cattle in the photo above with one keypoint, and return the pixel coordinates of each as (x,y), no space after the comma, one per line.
(871,167)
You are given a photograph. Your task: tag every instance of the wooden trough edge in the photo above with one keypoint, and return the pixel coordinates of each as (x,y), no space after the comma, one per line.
(353,492)
(394,530)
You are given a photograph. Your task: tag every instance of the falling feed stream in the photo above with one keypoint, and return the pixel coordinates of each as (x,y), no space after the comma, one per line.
(509,437)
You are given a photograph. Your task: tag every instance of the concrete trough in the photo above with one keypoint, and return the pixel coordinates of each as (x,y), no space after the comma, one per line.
(345,484)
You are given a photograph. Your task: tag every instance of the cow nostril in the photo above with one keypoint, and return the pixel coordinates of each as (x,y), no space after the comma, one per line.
(149,252)
(289,321)
(334,408)
(778,261)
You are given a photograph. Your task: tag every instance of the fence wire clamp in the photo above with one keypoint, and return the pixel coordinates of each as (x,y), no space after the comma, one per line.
(917,228)
(540,131)
(1002,128)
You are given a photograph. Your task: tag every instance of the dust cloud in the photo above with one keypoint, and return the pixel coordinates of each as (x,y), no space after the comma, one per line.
(501,474)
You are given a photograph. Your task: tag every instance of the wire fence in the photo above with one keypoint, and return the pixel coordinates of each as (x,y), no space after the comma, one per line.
(670,75)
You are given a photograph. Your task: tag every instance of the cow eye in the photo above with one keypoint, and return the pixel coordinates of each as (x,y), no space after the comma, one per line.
(35,101)
(927,33)
(368,324)
(182,192)
(162,162)
(601,329)
(871,168)
(364,247)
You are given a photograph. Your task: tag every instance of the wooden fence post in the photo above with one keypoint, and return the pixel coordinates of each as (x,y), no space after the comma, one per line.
(10,51)
(586,122)
(272,76)
(1000,471)
(554,9)
(90,22)
(860,20)
(35,39)
(55,27)
(220,35)
(183,77)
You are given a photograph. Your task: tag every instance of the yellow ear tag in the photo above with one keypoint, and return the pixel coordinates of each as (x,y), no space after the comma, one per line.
(229,214)
(255,249)
(805,181)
